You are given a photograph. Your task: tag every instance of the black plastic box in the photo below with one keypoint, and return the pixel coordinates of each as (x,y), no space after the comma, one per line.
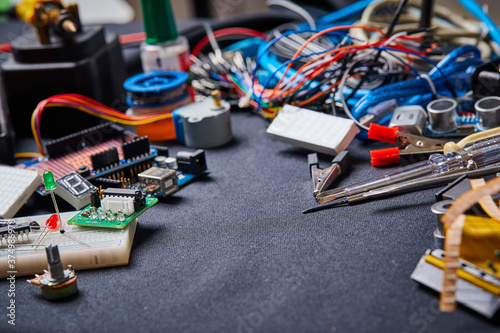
(91,65)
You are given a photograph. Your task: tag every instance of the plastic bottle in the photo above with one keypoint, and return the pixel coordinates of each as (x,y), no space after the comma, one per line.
(163,49)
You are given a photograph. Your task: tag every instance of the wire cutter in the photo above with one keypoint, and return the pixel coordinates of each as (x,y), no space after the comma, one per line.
(323,178)
(411,144)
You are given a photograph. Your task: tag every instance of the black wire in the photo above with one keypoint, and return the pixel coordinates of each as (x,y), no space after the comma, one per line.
(394,20)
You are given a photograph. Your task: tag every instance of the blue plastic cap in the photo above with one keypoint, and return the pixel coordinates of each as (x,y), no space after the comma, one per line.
(154,83)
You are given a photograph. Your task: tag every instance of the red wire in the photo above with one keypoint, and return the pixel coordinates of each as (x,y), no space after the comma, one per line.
(228,32)
(132,38)
(141,36)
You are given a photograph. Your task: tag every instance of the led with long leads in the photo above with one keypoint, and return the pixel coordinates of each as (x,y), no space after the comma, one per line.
(50,185)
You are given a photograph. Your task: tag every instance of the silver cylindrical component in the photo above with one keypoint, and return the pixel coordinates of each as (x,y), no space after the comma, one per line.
(488,112)
(161,161)
(171,163)
(439,208)
(54,263)
(438,239)
(443,115)
(206,124)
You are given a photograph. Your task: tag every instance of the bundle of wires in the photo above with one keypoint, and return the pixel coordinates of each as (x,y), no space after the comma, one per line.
(352,65)
(318,76)
(308,66)
(90,106)
(309,83)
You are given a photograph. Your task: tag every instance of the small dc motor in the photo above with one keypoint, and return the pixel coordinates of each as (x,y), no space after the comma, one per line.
(56,283)
(204,125)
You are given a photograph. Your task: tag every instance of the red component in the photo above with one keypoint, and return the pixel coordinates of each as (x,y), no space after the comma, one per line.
(53,222)
(5,47)
(385,156)
(382,133)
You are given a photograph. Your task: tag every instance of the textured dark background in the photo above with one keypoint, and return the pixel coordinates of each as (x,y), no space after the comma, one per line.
(232,252)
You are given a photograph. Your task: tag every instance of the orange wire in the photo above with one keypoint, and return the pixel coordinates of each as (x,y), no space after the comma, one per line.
(326,64)
(299,71)
(318,34)
(324,92)
(315,73)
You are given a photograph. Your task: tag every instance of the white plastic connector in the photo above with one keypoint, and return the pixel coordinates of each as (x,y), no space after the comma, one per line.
(125,204)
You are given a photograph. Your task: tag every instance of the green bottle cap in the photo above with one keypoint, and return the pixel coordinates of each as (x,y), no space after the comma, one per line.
(48,179)
(159,22)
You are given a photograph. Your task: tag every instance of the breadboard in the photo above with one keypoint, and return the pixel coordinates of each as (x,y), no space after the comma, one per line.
(16,186)
(106,247)
(313,130)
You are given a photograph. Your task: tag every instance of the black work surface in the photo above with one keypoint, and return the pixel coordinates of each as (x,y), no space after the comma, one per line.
(232,252)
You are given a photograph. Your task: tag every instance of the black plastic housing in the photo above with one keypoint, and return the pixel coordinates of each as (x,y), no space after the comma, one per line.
(193,163)
(91,64)
(85,138)
(486,80)
(6,135)
(105,159)
(135,148)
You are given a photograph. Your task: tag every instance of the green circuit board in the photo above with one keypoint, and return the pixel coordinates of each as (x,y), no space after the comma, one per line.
(83,218)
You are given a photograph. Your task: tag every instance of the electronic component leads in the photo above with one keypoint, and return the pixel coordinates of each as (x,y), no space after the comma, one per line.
(56,283)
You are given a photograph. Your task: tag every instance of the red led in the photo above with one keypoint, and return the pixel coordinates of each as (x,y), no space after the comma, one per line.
(53,222)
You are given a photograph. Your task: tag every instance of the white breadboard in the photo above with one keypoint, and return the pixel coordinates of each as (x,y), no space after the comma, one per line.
(16,186)
(312,130)
(106,247)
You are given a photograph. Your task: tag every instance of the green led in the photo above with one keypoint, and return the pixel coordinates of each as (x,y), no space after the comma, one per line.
(48,179)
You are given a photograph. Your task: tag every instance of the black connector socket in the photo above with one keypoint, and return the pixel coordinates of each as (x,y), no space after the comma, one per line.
(86,138)
(193,163)
(135,148)
(105,159)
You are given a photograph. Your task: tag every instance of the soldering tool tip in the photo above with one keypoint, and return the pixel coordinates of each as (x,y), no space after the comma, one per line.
(340,203)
